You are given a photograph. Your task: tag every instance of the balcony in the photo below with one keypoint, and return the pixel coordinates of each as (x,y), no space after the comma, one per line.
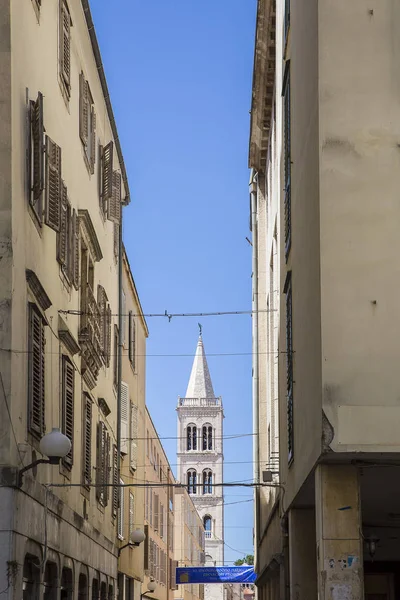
(90,336)
(208,535)
(200,402)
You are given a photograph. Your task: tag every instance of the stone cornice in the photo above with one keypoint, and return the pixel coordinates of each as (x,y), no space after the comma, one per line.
(38,290)
(89,232)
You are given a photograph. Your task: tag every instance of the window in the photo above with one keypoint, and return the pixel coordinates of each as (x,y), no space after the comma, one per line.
(36,156)
(53,185)
(103,464)
(87,442)
(87,122)
(68,240)
(192,481)
(156,523)
(207,481)
(121,511)
(125,404)
(36,365)
(207,437)
(287,17)
(161,521)
(133,434)
(65,48)
(191,437)
(287,159)
(68,401)
(132,340)
(131,514)
(123,319)
(115,483)
(116,241)
(289,364)
(105,324)
(106,179)
(207,522)
(116,343)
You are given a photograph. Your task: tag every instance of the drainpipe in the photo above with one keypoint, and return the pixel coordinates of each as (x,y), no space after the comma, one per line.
(255,390)
(119,351)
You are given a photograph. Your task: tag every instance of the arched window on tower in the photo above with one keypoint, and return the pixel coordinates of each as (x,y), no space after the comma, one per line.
(191,435)
(207,481)
(192,481)
(207,521)
(207,437)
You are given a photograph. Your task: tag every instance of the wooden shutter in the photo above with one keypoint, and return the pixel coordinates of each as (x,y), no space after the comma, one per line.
(84,108)
(131,514)
(108,333)
(133,450)
(156,512)
(63,241)
(68,397)
(124,417)
(65,45)
(101,466)
(107,467)
(36,373)
(53,184)
(121,511)
(102,304)
(87,442)
(92,140)
(107,171)
(161,521)
(37,128)
(132,340)
(115,482)
(114,203)
(146,547)
(116,241)
(75,250)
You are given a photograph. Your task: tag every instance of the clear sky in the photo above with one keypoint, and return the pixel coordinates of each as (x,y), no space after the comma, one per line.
(179,74)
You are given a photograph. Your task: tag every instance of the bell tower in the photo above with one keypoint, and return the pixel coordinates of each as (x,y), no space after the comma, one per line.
(201,460)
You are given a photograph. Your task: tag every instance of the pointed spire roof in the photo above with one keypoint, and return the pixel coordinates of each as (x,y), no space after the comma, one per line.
(200,385)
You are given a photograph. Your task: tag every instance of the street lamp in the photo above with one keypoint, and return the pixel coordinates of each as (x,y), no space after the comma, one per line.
(137,537)
(151,588)
(55,445)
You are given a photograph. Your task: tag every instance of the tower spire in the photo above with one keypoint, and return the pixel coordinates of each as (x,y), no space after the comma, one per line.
(200,384)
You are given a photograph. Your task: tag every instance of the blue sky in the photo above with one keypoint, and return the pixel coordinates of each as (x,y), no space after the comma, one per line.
(179,74)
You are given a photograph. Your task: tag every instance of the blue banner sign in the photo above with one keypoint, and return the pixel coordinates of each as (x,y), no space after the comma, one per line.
(215,575)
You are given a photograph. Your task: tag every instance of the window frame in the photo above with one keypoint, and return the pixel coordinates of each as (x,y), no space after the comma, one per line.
(37,430)
(287,121)
(289,364)
(87,432)
(68,428)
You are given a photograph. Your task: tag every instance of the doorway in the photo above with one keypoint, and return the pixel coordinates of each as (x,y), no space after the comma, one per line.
(379,586)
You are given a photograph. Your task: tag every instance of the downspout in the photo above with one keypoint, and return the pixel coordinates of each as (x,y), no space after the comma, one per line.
(119,351)
(255,389)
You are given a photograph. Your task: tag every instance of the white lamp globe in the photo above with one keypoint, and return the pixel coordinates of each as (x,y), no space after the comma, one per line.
(55,444)
(137,536)
(151,586)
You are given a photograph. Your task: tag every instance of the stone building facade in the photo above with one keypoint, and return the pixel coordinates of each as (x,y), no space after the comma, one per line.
(201,460)
(62,187)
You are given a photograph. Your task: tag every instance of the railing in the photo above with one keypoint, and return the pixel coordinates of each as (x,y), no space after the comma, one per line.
(91,319)
(208,535)
(203,402)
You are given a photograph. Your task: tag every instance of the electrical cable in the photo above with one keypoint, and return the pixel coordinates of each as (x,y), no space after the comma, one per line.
(9,417)
(170,316)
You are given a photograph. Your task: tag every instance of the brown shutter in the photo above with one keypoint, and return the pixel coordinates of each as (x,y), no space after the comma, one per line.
(75,250)
(63,243)
(102,304)
(93,141)
(156,512)
(68,393)
(53,184)
(107,467)
(115,482)
(114,204)
(99,461)
(83,109)
(108,329)
(36,373)
(116,241)
(37,128)
(87,445)
(133,437)
(132,340)
(107,172)
(146,548)
(65,45)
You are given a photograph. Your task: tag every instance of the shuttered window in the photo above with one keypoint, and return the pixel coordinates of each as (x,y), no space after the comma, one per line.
(287,159)
(36,155)
(287,17)
(114,203)
(36,365)
(132,340)
(64,236)
(289,366)
(87,122)
(65,47)
(131,514)
(53,185)
(106,179)
(68,401)
(116,241)
(121,511)
(102,464)
(161,521)
(115,483)
(87,442)
(146,547)
(173,566)
(116,342)
(105,324)
(133,436)
(124,417)
(156,512)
